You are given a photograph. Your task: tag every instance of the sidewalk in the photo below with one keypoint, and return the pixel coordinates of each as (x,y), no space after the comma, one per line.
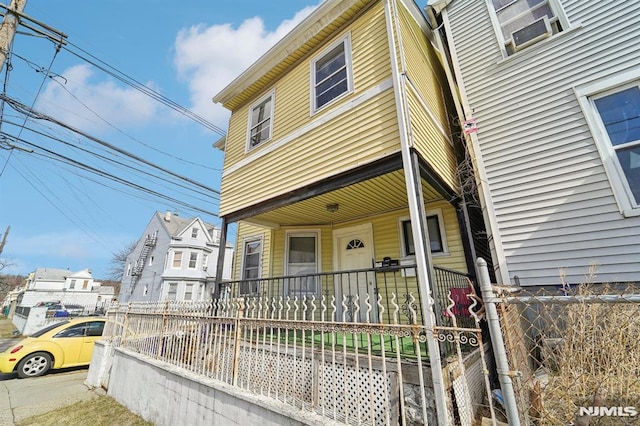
(23,398)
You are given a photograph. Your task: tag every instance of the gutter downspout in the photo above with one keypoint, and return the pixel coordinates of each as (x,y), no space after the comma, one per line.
(417,221)
(462,105)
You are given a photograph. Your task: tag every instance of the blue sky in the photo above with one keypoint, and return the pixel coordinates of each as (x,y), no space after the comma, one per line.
(62,217)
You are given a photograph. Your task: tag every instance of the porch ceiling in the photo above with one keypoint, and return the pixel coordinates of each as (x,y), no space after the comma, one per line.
(378,195)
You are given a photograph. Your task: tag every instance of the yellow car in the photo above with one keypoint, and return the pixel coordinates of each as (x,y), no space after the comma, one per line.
(64,344)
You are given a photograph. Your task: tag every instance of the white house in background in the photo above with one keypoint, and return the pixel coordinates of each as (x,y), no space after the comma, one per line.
(175,259)
(550,92)
(60,279)
(51,284)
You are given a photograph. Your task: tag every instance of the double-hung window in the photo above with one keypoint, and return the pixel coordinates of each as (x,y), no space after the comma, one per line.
(521,23)
(172,291)
(612,109)
(260,122)
(251,264)
(302,259)
(331,74)
(177,259)
(193,260)
(437,236)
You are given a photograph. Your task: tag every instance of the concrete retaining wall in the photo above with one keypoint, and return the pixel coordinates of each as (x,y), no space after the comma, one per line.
(167,395)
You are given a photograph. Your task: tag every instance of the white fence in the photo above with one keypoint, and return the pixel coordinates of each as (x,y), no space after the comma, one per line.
(299,352)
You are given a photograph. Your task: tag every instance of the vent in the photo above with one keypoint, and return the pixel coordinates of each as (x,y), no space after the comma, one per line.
(532,33)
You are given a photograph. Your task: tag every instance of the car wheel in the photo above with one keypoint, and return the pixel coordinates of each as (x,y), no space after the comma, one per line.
(34,365)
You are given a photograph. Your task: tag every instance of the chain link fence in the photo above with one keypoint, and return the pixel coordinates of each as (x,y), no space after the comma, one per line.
(573,353)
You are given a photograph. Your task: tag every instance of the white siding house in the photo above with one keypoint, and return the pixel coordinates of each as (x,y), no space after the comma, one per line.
(555,91)
(175,259)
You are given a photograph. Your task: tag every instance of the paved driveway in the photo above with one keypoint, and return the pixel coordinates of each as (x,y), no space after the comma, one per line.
(22,398)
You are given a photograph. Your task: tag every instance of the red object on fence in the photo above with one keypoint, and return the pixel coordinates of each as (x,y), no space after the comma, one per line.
(462,302)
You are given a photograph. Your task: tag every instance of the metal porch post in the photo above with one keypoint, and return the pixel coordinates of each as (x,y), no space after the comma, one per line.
(224,226)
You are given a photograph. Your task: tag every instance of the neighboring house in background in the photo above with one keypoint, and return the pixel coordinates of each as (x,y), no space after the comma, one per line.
(174,260)
(554,86)
(341,156)
(50,284)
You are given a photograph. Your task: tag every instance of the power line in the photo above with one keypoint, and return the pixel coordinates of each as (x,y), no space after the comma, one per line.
(20,107)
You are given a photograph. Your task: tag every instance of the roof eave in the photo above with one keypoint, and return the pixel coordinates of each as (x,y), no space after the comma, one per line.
(328,11)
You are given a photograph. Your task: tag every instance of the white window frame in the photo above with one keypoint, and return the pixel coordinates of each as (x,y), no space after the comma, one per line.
(245,241)
(194,232)
(175,285)
(585,94)
(316,233)
(250,125)
(193,261)
(189,286)
(346,41)
(173,259)
(556,7)
(443,234)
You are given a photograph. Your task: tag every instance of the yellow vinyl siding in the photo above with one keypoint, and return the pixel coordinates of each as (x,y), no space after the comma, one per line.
(356,137)
(425,86)
(248,231)
(430,143)
(387,239)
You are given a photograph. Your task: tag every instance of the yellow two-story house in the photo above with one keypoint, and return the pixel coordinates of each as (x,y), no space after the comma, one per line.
(340,165)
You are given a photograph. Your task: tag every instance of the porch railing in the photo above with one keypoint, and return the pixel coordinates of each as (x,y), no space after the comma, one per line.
(298,351)
(355,294)
(358,285)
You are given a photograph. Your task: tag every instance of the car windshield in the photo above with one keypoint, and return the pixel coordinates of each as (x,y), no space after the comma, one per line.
(48,328)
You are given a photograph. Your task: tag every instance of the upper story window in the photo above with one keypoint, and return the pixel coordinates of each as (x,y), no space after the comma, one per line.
(177,259)
(193,260)
(260,122)
(437,235)
(521,23)
(73,284)
(331,74)
(612,109)
(85,284)
(194,233)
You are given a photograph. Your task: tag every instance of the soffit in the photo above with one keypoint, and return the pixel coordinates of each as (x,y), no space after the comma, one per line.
(375,196)
(322,24)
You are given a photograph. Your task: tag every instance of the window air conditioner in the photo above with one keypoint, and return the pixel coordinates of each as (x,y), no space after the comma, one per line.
(532,33)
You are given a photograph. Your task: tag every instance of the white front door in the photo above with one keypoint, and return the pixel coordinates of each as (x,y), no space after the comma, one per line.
(354,252)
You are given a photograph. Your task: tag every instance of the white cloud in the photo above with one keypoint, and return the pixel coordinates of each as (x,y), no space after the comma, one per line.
(210,57)
(103,101)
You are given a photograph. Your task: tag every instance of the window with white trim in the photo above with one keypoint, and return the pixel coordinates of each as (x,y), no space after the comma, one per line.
(612,109)
(302,259)
(177,259)
(188,291)
(172,291)
(193,259)
(251,264)
(437,235)
(260,122)
(521,23)
(331,74)
(194,232)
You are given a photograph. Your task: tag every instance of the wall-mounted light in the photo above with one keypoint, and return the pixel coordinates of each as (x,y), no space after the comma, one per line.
(332,208)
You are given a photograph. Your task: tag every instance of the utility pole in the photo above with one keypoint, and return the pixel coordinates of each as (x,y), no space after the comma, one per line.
(8,28)
(4,239)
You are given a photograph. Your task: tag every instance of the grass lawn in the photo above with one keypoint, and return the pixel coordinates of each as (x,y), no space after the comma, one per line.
(6,329)
(102,410)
